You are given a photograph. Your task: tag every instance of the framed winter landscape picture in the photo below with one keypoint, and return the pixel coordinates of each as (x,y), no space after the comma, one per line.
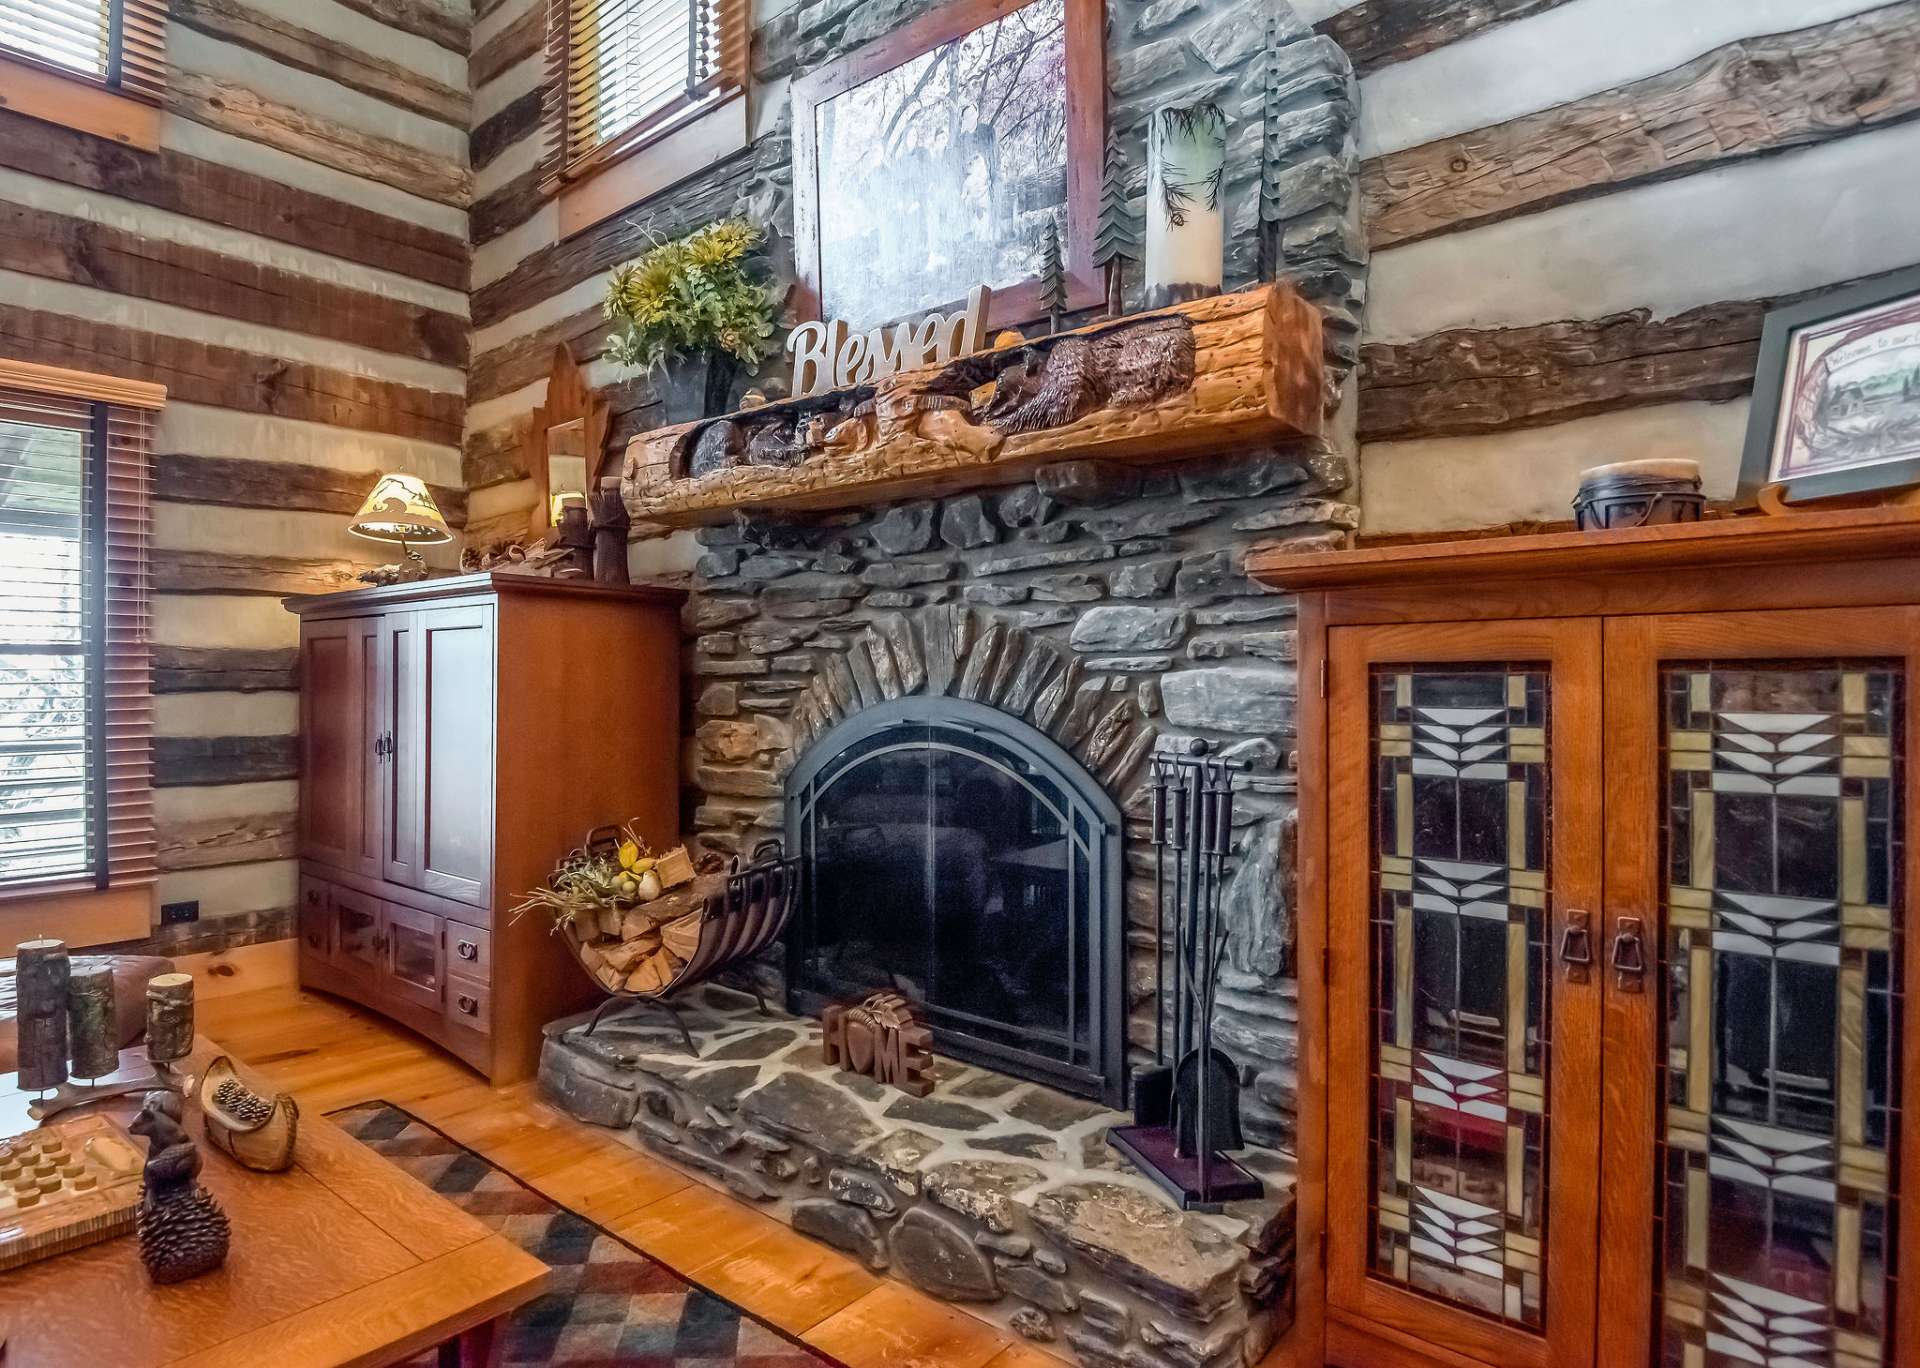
(931,161)
(1836,404)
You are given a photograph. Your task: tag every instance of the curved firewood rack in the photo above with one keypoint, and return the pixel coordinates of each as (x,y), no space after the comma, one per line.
(738,923)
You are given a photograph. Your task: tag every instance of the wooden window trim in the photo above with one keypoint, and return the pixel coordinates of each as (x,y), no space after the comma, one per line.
(566,171)
(73,101)
(123,710)
(705,134)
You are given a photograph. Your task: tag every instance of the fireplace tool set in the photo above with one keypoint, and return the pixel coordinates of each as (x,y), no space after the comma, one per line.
(1186,1105)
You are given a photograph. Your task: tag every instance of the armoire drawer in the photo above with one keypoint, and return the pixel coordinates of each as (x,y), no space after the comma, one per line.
(315,921)
(469,952)
(470,1005)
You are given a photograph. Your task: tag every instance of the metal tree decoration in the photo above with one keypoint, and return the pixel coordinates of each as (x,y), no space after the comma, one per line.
(1053,276)
(1116,243)
(1271,160)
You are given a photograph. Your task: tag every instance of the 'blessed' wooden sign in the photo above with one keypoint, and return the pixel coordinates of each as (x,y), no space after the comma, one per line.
(826,355)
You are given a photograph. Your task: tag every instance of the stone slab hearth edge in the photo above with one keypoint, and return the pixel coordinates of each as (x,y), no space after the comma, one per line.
(989,1191)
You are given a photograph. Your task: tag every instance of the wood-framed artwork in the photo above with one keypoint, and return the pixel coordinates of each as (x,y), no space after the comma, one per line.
(1836,401)
(928,161)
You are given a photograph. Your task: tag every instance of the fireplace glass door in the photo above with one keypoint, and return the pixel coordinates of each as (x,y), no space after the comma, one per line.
(950,854)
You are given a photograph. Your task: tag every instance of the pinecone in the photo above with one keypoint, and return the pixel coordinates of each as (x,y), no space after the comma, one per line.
(183,1233)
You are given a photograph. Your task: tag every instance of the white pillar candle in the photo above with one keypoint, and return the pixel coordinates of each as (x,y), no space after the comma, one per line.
(1186,158)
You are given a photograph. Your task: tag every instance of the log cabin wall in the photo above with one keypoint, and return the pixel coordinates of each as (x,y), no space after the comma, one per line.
(1578,217)
(292,265)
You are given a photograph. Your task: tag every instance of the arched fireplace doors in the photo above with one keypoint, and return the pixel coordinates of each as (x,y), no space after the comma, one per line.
(953,853)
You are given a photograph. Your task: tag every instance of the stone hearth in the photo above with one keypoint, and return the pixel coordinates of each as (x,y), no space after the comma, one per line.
(989,1191)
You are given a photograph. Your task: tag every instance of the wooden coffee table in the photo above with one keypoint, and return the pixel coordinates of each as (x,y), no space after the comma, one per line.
(343,1259)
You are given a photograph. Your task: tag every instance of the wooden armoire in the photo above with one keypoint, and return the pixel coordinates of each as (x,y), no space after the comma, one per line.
(1605,846)
(458,736)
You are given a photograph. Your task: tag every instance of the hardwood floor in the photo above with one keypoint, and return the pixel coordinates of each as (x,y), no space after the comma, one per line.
(332,1055)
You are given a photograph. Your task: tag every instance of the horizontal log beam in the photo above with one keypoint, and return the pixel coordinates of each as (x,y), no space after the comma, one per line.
(698,200)
(224,669)
(498,455)
(438,24)
(497,133)
(223,377)
(305,50)
(1470,381)
(506,368)
(182,761)
(231,483)
(222,572)
(211,842)
(1743,100)
(248,114)
(1377,33)
(1214,375)
(511,46)
(232,198)
(103,257)
(507,208)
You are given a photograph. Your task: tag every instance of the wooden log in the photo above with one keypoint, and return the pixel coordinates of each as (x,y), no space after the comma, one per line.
(224,669)
(1492,380)
(1377,33)
(507,208)
(202,373)
(502,130)
(235,199)
(496,455)
(226,572)
(169,1017)
(1255,376)
(209,842)
(248,114)
(305,50)
(1743,100)
(697,200)
(440,24)
(103,257)
(506,368)
(41,972)
(511,46)
(93,1038)
(233,483)
(186,761)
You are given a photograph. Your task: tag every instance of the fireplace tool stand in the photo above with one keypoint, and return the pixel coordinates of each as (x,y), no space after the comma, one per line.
(1186,1105)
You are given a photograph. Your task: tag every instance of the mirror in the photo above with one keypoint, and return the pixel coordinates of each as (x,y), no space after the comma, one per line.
(566,466)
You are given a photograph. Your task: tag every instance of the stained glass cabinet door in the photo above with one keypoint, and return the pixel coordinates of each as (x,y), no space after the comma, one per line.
(1464,1002)
(1758,862)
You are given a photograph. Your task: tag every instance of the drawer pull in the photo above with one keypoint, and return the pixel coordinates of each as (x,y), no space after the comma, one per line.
(468,1003)
(467,950)
(313,939)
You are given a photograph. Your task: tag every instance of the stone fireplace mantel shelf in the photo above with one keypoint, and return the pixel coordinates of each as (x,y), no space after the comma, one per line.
(1192,380)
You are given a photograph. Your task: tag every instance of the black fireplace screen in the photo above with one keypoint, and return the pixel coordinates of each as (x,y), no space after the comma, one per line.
(953,854)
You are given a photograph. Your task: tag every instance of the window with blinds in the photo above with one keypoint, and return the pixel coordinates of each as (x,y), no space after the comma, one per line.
(75,714)
(623,72)
(116,43)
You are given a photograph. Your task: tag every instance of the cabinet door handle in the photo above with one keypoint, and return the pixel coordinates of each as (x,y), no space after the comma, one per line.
(468,1003)
(467,950)
(313,939)
(1629,955)
(1576,940)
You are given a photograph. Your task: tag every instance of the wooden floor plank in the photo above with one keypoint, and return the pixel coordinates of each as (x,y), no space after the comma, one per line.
(895,1327)
(792,1281)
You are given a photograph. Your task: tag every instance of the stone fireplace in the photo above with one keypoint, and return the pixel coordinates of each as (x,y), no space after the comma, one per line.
(956,854)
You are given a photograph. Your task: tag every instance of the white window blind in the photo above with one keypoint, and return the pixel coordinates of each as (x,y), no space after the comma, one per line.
(117,43)
(75,809)
(621,71)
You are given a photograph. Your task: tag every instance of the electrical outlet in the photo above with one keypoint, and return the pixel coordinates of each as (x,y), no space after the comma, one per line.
(172,914)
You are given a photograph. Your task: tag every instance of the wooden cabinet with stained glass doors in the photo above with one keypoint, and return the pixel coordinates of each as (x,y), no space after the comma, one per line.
(1607,844)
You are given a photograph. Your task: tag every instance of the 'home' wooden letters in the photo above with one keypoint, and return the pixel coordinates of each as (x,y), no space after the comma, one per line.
(883,1038)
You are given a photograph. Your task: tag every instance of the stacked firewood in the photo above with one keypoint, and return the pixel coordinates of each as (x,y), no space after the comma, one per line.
(638,947)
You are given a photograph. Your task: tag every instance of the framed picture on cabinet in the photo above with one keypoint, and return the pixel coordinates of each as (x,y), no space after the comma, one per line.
(1836,401)
(932,159)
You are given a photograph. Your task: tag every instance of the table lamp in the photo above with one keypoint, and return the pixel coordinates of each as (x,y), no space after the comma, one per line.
(399,509)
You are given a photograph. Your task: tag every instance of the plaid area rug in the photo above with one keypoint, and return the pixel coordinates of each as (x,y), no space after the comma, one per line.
(609,1303)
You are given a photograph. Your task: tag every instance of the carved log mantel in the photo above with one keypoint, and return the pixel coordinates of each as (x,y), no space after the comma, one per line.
(1192,380)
